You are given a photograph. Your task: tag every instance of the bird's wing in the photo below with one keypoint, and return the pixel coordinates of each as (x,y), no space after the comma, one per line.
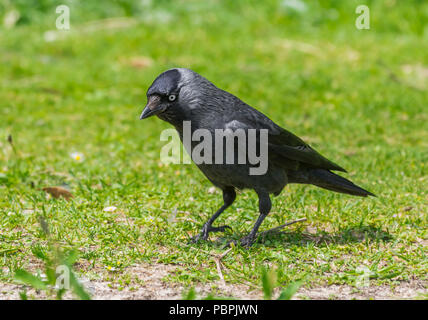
(287,145)
(282,144)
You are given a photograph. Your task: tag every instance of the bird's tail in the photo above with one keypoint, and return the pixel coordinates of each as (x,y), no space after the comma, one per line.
(331,181)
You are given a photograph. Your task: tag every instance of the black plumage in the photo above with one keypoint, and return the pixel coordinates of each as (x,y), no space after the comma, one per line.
(179,95)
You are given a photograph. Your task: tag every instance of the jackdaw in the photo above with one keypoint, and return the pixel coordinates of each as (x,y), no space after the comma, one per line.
(181,96)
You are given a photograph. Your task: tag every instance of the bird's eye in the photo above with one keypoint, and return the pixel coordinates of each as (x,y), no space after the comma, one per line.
(172,97)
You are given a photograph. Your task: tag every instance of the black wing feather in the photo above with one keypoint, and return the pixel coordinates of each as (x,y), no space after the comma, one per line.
(282,143)
(292,147)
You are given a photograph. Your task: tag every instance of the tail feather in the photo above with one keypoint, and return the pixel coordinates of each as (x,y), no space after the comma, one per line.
(330,181)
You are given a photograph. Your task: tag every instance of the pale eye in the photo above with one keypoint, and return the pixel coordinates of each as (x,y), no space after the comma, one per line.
(172,97)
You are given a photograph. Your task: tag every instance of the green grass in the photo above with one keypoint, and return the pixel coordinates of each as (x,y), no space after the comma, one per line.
(358,96)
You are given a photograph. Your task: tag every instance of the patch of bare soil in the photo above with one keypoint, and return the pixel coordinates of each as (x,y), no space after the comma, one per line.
(405,290)
(151,285)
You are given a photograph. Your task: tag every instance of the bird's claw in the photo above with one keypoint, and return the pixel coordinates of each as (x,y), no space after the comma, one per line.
(219,229)
(205,232)
(245,242)
(198,238)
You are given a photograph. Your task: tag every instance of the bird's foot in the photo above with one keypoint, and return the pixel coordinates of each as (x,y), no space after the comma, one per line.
(203,235)
(245,242)
(198,238)
(219,229)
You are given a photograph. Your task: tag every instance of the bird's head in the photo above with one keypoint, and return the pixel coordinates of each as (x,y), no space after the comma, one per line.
(173,92)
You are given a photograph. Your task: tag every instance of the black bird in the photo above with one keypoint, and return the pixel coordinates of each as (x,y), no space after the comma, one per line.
(181,95)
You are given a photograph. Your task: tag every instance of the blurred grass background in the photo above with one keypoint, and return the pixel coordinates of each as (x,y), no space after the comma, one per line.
(358,96)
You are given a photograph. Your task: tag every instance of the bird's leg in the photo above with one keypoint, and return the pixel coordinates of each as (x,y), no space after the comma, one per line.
(264,206)
(229,196)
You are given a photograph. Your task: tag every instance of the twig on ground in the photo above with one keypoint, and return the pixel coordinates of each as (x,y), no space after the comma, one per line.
(219,264)
(276,229)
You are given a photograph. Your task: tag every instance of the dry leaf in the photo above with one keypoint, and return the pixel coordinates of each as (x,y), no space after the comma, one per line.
(140,62)
(57,192)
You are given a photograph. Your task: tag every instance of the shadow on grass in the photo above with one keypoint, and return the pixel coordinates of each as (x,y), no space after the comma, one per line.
(349,235)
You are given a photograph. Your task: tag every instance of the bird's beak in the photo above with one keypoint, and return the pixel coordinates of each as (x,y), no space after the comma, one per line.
(151,108)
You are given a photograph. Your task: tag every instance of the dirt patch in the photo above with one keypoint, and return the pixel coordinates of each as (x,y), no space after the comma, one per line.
(405,290)
(151,285)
